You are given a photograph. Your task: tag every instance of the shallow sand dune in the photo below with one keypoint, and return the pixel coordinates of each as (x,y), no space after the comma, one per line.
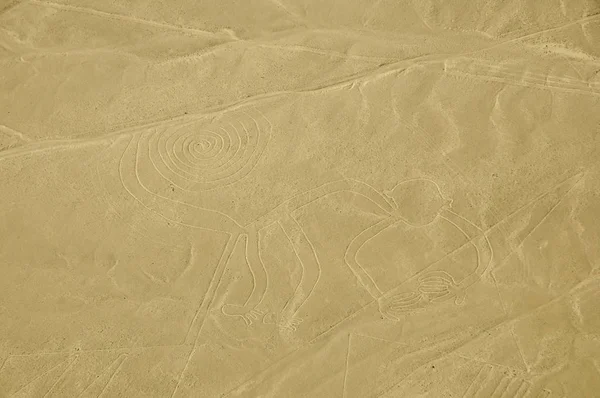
(299,198)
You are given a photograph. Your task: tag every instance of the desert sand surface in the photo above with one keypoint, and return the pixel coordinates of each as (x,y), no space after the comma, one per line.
(300,198)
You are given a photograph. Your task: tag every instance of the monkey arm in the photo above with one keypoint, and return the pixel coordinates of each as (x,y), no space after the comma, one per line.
(352,251)
(311,267)
(477,239)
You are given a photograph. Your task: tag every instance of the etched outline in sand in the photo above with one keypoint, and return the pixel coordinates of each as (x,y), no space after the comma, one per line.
(434,286)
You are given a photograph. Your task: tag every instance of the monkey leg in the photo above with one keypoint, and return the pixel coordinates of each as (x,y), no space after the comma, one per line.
(260,281)
(311,268)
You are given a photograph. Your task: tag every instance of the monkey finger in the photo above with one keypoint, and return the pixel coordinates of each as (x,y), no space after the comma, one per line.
(433,289)
(442,297)
(442,275)
(405,303)
(415,296)
(433,283)
(443,282)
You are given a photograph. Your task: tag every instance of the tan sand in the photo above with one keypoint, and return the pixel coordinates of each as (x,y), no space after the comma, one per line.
(299,198)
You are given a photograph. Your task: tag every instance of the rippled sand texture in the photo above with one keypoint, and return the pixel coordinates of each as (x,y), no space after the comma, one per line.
(300,198)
